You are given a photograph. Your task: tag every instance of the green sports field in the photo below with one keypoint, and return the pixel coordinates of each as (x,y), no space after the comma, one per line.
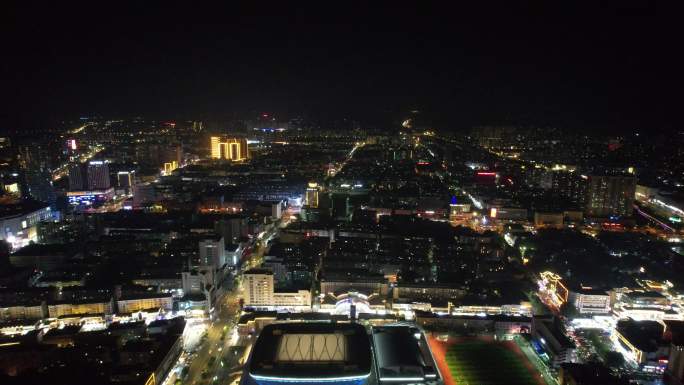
(477,362)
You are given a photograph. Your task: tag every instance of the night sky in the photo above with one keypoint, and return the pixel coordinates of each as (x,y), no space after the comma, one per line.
(605,68)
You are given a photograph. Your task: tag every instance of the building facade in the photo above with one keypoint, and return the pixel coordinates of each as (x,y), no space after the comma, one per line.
(234,149)
(98,175)
(258,287)
(610,196)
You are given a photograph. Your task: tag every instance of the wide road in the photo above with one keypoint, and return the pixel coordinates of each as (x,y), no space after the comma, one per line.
(226,313)
(205,370)
(226,317)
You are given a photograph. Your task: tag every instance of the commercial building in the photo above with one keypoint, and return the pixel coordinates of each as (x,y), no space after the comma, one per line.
(674,334)
(546,219)
(592,373)
(353,303)
(311,353)
(68,308)
(89,197)
(642,343)
(258,287)
(489,323)
(232,228)
(638,298)
(458,210)
(509,213)
(43,257)
(271,190)
(22,311)
(234,149)
(69,352)
(311,197)
(296,299)
(78,176)
(427,292)
(212,251)
(98,175)
(675,364)
(126,180)
(548,333)
(590,301)
(200,284)
(610,196)
(253,322)
(402,356)
(645,305)
(153,301)
(369,284)
(19,222)
(260,292)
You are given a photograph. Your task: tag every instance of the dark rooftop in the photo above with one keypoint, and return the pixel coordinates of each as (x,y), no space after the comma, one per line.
(44,249)
(644,294)
(20,207)
(401,353)
(259,271)
(590,374)
(644,335)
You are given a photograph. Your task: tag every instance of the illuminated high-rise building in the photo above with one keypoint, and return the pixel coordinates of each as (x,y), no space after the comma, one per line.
(258,284)
(126,179)
(311,198)
(98,175)
(78,177)
(215,147)
(169,167)
(234,149)
(610,195)
(212,251)
(197,126)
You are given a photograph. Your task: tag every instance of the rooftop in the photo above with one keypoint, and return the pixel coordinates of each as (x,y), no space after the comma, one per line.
(322,351)
(259,271)
(644,294)
(644,335)
(590,374)
(402,354)
(20,208)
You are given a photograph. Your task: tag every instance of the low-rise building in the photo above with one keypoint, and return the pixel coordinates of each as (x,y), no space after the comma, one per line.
(294,299)
(258,285)
(642,343)
(18,221)
(402,356)
(43,257)
(29,311)
(548,332)
(587,374)
(132,304)
(260,292)
(492,323)
(542,219)
(427,292)
(590,301)
(644,306)
(66,308)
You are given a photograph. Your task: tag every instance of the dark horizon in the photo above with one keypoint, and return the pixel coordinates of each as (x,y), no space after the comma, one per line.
(594,69)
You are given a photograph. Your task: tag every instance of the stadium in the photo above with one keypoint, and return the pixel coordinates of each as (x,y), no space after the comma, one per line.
(340,353)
